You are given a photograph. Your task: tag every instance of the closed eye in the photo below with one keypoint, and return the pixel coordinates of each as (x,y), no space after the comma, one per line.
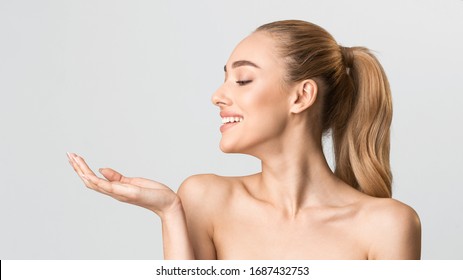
(242,83)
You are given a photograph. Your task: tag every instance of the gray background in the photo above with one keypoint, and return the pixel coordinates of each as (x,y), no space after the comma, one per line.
(127,84)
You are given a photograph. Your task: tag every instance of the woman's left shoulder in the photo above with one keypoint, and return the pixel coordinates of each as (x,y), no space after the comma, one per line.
(394,229)
(390,210)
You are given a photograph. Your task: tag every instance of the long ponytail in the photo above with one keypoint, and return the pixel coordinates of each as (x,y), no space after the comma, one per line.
(362,145)
(356,102)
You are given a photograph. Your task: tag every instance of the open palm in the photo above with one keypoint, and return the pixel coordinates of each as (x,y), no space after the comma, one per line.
(146,193)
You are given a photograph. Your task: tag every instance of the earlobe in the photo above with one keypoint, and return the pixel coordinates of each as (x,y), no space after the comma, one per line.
(306,93)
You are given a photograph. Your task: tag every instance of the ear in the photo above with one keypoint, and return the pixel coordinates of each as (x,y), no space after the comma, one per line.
(304,96)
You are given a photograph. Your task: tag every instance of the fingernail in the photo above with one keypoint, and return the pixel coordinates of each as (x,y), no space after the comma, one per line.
(101,169)
(72,157)
(69,155)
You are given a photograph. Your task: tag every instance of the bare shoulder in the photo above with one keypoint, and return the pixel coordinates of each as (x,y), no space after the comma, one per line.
(394,229)
(205,180)
(201,196)
(390,211)
(201,186)
(205,193)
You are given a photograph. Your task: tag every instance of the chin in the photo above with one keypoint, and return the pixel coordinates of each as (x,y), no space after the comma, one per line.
(235,148)
(228,149)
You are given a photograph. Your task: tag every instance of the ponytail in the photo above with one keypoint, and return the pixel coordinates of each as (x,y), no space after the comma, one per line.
(356,100)
(362,145)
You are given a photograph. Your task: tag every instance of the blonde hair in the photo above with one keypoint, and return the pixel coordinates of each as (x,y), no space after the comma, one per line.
(356,100)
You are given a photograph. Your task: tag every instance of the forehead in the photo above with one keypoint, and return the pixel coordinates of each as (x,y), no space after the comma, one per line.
(260,48)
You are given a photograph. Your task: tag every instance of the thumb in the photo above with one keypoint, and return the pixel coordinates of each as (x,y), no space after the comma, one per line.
(111,175)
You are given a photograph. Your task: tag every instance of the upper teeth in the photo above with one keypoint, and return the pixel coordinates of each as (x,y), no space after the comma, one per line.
(231,119)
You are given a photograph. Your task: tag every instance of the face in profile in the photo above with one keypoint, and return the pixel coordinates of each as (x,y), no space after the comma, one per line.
(253,103)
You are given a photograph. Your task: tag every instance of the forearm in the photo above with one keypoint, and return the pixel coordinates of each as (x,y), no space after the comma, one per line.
(176,243)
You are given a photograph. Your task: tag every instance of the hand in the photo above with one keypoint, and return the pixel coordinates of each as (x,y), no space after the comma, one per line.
(138,191)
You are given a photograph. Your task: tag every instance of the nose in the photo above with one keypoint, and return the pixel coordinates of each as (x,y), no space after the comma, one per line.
(220,98)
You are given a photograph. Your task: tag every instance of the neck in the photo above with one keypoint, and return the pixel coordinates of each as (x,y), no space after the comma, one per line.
(296,176)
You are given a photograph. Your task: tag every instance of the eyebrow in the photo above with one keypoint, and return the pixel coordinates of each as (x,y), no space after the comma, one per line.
(240,63)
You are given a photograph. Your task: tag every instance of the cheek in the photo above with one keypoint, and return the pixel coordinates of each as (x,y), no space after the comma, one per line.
(265,103)
(266,111)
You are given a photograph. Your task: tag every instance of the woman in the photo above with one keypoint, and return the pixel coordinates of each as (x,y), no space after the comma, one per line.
(286,85)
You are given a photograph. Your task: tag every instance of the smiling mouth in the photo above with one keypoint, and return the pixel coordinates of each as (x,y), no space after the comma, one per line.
(228,122)
(231,120)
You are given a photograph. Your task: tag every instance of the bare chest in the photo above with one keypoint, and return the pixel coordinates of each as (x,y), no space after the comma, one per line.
(260,234)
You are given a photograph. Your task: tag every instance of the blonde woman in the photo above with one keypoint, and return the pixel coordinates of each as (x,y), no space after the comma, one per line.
(286,85)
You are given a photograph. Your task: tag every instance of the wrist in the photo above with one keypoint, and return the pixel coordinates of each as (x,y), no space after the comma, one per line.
(174,210)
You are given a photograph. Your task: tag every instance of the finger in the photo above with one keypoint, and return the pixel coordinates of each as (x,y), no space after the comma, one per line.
(82,164)
(125,191)
(112,175)
(94,187)
(73,163)
(86,180)
(113,195)
(146,183)
(78,170)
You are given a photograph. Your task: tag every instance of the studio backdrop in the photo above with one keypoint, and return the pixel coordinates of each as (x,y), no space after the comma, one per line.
(127,85)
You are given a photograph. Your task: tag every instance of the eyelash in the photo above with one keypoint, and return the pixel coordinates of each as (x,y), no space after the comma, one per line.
(243,83)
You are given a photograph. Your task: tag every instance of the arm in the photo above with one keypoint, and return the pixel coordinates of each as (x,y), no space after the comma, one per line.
(201,200)
(176,242)
(146,193)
